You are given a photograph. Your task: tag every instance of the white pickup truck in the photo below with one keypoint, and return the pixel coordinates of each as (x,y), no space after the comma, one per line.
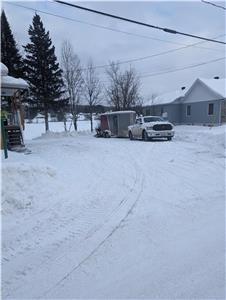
(149,127)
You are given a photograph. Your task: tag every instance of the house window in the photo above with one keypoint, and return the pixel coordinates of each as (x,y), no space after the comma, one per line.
(210,109)
(188,112)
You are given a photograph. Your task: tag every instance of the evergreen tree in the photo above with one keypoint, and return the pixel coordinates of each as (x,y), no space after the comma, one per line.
(42,70)
(10,55)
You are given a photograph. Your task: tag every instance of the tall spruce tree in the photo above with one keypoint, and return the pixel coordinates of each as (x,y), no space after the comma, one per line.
(42,70)
(10,55)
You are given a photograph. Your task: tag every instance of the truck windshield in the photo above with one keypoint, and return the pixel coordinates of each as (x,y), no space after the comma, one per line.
(152,119)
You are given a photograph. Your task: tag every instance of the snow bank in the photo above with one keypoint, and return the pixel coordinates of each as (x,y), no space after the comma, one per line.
(203,135)
(18,189)
(63,134)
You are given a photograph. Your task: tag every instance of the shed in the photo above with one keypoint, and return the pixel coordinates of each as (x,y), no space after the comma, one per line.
(117,122)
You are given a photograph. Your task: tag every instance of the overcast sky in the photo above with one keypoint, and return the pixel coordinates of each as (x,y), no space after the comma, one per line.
(103,45)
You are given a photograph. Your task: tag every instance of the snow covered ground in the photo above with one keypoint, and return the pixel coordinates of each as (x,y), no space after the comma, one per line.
(35,130)
(111,218)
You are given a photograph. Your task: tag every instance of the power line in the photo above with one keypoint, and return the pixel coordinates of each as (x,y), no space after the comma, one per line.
(124,61)
(166,71)
(168,30)
(211,3)
(111,29)
(144,57)
(182,68)
(136,59)
(100,26)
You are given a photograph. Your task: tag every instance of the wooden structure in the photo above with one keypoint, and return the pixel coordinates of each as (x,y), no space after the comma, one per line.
(12,89)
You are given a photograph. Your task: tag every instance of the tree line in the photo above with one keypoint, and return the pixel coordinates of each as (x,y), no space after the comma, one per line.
(63,86)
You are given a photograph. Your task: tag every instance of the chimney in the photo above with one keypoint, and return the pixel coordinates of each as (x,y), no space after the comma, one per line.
(216,77)
(183,88)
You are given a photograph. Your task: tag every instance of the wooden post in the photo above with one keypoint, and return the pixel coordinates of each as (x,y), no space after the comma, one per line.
(4,138)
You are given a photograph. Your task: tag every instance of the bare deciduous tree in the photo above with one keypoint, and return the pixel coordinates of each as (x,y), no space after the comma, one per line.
(152,102)
(123,90)
(92,89)
(72,74)
(139,106)
(113,89)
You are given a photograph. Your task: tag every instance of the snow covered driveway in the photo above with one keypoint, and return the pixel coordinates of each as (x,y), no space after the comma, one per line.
(112,218)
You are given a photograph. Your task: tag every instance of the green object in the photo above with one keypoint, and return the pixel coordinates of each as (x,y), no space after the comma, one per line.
(4,114)
(4,136)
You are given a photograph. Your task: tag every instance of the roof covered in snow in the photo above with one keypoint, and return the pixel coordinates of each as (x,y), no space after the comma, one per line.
(39,115)
(119,112)
(216,85)
(4,70)
(11,82)
(168,97)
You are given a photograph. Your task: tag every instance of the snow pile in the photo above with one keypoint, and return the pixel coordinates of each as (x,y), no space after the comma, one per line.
(23,185)
(202,135)
(63,134)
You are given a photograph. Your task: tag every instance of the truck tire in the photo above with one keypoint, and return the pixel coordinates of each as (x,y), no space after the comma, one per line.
(145,136)
(130,135)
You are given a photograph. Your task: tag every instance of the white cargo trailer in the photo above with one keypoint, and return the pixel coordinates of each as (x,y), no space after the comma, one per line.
(115,123)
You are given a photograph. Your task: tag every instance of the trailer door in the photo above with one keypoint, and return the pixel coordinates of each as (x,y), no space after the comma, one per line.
(115,125)
(104,122)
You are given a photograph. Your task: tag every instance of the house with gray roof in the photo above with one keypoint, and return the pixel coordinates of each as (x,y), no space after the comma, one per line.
(167,105)
(203,103)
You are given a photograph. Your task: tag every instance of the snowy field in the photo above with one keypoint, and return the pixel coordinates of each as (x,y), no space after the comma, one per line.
(35,130)
(111,218)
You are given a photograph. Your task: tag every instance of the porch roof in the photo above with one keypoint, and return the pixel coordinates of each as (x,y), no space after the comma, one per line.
(9,84)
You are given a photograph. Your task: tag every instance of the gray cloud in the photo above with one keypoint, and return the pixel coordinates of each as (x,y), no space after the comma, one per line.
(103,45)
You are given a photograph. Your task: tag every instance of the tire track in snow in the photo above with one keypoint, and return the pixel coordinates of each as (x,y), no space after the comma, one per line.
(97,247)
(101,243)
(95,250)
(116,212)
(42,224)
